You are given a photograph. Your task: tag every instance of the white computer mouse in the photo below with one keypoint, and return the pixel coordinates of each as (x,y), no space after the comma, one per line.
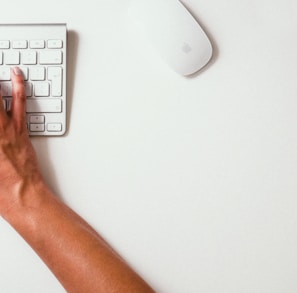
(174,32)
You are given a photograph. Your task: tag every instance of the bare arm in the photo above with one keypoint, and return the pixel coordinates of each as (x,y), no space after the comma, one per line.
(80,259)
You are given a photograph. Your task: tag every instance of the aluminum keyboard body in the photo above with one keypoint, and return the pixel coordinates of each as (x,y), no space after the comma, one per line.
(40,51)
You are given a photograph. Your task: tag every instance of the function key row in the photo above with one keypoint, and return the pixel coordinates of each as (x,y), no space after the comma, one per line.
(32,44)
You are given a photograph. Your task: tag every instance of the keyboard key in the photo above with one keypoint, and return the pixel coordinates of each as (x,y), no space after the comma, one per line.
(4,44)
(37,127)
(12,57)
(37,119)
(54,44)
(37,44)
(29,57)
(19,44)
(44,105)
(28,86)
(41,89)
(4,73)
(6,89)
(54,127)
(37,73)
(54,74)
(50,57)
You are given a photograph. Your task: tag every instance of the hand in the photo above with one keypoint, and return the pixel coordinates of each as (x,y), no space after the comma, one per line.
(19,169)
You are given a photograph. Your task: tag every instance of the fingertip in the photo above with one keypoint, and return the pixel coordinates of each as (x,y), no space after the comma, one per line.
(16,72)
(17,79)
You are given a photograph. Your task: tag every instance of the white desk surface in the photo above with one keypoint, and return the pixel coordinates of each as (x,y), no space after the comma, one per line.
(192,180)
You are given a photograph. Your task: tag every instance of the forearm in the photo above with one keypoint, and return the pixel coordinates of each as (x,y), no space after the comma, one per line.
(76,254)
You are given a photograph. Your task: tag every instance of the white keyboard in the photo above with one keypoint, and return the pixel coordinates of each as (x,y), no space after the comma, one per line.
(40,52)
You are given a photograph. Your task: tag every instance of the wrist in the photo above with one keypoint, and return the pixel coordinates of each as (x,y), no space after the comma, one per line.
(26,195)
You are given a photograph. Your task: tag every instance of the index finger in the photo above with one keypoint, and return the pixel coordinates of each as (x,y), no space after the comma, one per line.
(18,105)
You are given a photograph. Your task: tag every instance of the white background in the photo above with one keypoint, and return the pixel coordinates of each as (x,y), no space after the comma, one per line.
(192,180)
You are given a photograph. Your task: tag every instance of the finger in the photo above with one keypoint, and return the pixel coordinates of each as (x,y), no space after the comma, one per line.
(3,114)
(2,102)
(18,105)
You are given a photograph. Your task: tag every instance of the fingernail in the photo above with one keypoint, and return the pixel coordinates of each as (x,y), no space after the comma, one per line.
(17,71)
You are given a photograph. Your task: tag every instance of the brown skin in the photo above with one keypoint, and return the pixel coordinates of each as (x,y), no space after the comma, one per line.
(78,256)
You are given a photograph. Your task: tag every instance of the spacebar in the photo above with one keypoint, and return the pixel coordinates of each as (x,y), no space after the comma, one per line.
(44,105)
